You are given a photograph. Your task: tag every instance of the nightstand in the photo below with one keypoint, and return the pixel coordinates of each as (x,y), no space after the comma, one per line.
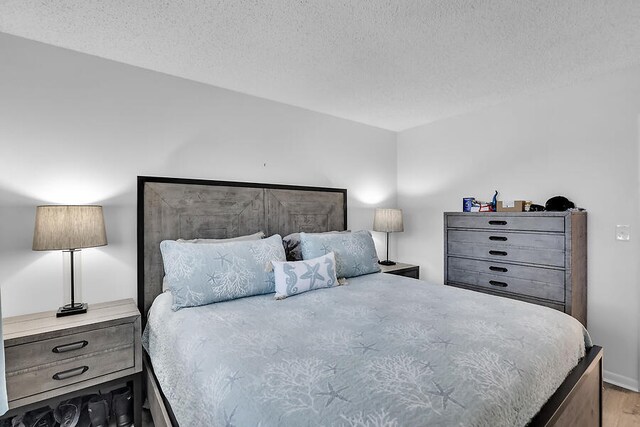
(400,269)
(49,358)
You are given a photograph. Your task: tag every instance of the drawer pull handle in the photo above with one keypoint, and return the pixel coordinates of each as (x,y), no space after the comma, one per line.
(70,347)
(500,269)
(499,238)
(499,284)
(70,373)
(500,253)
(495,222)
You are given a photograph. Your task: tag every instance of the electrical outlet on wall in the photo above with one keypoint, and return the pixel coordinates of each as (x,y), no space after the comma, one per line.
(623,233)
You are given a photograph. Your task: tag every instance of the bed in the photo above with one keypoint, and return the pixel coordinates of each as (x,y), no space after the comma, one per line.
(382,350)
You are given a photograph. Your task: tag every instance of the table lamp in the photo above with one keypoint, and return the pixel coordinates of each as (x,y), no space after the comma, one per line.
(69,228)
(388,221)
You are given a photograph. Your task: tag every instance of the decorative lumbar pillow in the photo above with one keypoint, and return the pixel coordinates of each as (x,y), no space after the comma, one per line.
(296,277)
(200,274)
(255,236)
(292,248)
(355,252)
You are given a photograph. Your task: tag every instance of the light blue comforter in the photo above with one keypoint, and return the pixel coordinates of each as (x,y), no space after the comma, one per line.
(383,350)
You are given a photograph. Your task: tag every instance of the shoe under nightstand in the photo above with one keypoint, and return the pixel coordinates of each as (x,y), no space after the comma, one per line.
(49,358)
(400,269)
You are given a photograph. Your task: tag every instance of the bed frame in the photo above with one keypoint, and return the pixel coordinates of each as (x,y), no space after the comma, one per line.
(172,208)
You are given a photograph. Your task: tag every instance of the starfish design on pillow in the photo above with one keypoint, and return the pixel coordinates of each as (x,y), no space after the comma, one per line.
(212,279)
(312,274)
(222,258)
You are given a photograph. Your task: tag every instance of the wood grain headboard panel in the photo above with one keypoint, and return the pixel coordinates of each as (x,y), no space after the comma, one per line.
(175,208)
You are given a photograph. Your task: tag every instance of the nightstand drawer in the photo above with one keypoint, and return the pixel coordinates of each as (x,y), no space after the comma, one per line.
(507,222)
(414,273)
(40,379)
(508,278)
(58,349)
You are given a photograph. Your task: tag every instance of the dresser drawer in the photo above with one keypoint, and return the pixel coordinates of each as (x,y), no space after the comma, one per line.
(537,282)
(36,380)
(509,239)
(54,350)
(523,280)
(507,222)
(532,248)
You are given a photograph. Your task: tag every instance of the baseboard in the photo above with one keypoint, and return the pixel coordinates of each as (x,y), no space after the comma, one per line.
(620,380)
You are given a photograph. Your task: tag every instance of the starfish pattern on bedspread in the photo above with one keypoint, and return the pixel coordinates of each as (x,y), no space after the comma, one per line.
(445,394)
(366,347)
(233,378)
(333,394)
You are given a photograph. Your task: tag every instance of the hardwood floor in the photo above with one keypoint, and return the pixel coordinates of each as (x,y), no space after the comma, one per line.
(621,407)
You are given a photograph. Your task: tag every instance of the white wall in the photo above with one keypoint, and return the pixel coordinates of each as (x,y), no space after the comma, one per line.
(79,129)
(581,142)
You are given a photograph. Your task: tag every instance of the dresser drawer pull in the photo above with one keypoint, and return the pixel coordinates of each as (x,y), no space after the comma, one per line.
(499,238)
(499,284)
(500,269)
(495,222)
(70,347)
(70,373)
(499,253)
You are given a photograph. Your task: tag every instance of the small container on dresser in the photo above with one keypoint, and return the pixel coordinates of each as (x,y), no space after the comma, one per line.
(49,357)
(538,257)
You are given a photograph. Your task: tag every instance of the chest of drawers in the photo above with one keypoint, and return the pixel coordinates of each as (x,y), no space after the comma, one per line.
(538,257)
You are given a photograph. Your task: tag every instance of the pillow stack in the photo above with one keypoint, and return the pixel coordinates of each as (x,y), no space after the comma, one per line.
(205,271)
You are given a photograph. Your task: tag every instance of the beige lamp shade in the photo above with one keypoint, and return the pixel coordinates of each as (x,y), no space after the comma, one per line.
(388,220)
(64,227)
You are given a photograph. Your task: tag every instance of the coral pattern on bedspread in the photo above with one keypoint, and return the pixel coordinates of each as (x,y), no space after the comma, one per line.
(384,350)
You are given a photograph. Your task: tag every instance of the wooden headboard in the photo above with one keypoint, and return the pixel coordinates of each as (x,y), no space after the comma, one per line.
(175,208)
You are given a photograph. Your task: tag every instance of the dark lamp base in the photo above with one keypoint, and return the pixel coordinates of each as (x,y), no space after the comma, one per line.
(387,262)
(68,310)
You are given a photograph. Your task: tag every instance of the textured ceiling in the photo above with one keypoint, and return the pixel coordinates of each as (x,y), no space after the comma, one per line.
(391,64)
